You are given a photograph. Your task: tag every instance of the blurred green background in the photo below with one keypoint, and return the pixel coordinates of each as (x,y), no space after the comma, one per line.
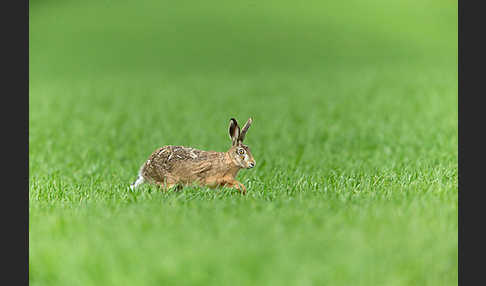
(90,38)
(355,138)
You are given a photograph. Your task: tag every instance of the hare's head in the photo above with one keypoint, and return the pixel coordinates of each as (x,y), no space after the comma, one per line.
(239,153)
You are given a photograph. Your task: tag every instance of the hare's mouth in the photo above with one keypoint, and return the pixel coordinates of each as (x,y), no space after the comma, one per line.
(251,165)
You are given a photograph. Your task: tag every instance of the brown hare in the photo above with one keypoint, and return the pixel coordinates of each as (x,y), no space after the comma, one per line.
(179,166)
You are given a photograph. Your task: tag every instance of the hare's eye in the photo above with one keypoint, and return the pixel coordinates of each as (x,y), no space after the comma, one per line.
(241,151)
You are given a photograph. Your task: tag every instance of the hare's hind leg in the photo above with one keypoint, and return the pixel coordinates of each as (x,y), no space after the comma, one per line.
(140,180)
(170,186)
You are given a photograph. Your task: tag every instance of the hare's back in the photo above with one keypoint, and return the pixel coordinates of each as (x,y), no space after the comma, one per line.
(168,159)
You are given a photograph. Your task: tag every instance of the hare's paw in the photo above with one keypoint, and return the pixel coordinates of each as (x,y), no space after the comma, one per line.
(241,188)
(237,185)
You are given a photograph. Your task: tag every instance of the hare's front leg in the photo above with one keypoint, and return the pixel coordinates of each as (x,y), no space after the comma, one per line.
(235,184)
(240,187)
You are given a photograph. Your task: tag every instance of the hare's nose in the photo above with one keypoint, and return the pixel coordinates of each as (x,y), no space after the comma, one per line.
(252,164)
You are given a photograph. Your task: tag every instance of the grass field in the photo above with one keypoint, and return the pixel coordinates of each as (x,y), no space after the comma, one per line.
(354,135)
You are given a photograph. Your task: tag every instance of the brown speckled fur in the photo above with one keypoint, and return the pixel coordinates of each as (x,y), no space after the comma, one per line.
(178,165)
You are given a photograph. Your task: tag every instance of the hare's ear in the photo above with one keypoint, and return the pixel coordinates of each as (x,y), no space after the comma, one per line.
(234,131)
(245,128)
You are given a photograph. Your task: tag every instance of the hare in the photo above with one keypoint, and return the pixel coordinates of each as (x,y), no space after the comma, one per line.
(177,166)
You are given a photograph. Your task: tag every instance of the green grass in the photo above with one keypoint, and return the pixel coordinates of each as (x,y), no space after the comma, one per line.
(354,135)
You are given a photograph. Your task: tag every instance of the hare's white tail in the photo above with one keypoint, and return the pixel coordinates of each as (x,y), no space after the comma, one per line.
(140,180)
